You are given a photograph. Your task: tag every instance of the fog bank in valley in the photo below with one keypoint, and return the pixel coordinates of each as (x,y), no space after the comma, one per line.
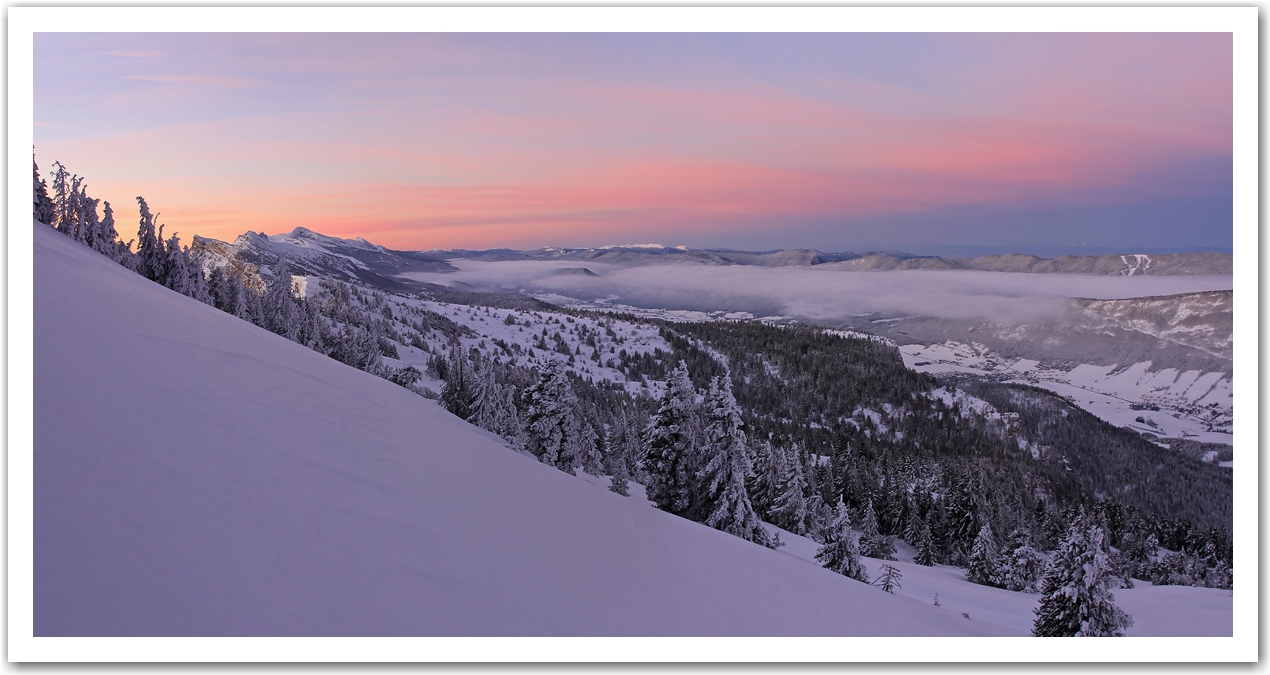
(818,294)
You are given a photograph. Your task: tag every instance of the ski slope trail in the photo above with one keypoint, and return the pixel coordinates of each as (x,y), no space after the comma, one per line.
(195,475)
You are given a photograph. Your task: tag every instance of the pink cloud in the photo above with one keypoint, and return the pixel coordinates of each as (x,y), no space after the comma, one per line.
(225,81)
(137,54)
(467,148)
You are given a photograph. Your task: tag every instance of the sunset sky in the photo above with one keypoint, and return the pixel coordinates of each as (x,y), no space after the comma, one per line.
(921,142)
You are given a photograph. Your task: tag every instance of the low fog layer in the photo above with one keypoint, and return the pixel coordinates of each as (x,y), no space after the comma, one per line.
(815,293)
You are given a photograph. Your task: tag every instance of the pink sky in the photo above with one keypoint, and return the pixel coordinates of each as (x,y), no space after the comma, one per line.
(478,141)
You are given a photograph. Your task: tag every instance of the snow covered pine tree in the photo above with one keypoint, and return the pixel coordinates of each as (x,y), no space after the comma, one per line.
(725,503)
(670,446)
(789,510)
(1021,565)
(981,568)
(840,552)
(550,405)
(1075,600)
(872,543)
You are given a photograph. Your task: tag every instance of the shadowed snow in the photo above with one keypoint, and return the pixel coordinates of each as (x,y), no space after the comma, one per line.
(196,475)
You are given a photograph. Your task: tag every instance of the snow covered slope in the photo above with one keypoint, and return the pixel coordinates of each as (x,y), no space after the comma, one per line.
(196,475)
(1163,402)
(1157,611)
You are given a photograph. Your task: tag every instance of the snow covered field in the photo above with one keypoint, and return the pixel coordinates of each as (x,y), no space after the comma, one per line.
(1192,405)
(196,475)
(1160,611)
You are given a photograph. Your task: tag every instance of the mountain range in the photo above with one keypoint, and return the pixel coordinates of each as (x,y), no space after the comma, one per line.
(308,252)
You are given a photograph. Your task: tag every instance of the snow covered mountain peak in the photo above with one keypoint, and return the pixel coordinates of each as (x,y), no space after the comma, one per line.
(314,254)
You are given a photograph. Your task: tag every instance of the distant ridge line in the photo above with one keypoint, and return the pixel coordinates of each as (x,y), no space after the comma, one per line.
(316,253)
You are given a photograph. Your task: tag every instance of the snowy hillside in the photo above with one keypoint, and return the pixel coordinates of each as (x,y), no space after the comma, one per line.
(1159,611)
(1163,402)
(594,348)
(196,475)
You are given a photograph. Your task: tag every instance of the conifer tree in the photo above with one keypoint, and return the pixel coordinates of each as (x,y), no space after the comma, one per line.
(107,237)
(314,333)
(981,567)
(790,509)
(42,206)
(281,312)
(61,198)
(840,553)
(924,544)
(1075,600)
(872,543)
(769,472)
(869,521)
(725,504)
(619,479)
(670,446)
(819,517)
(614,446)
(1021,565)
(80,207)
(633,443)
(240,297)
(890,579)
(149,246)
(218,289)
(457,395)
(492,408)
(581,442)
(913,521)
(176,271)
(549,403)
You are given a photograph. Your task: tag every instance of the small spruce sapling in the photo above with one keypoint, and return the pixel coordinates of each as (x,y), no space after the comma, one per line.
(890,579)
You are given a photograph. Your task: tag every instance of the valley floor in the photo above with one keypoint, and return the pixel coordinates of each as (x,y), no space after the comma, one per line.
(1191,405)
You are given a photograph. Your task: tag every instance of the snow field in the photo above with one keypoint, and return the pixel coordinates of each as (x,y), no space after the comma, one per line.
(1158,611)
(1193,405)
(196,475)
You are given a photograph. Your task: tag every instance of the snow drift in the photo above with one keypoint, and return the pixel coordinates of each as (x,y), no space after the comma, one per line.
(196,475)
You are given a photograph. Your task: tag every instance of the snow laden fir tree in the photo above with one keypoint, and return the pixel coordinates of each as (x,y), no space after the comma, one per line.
(728,464)
(670,454)
(697,460)
(1075,598)
(981,568)
(840,553)
(554,432)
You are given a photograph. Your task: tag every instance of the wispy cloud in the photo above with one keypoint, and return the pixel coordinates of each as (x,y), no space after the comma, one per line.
(837,141)
(225,81)
(139,54)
